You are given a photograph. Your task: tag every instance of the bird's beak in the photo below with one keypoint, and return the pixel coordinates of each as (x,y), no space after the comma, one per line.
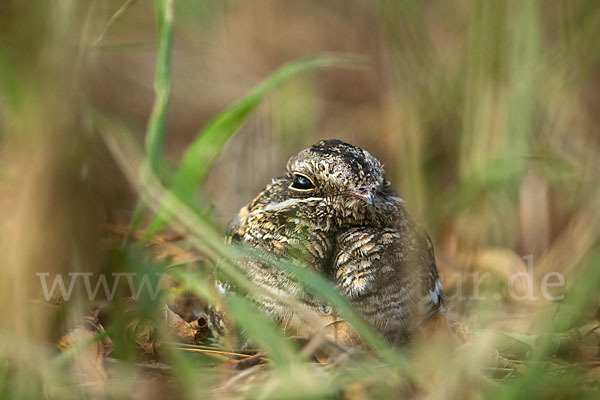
(365,193)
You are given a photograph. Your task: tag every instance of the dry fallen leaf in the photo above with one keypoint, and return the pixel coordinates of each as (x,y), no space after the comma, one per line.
(90,352)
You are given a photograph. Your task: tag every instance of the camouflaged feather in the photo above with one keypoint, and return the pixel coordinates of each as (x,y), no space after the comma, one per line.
(374,253)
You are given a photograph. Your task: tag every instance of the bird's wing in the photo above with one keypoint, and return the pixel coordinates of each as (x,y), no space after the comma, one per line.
(431,286)
(373,269)
(389,275)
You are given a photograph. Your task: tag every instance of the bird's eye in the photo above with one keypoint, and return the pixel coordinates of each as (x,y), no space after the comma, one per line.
(302,182)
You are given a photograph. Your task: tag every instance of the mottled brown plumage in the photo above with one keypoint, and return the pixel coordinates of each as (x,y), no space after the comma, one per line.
(334,210)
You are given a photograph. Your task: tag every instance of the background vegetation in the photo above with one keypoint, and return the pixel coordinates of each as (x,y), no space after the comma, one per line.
(484,113)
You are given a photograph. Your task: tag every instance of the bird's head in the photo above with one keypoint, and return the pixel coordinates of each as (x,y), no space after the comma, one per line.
(336,184)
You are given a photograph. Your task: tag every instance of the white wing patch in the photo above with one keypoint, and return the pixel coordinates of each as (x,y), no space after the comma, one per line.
(432,299)
(434,295)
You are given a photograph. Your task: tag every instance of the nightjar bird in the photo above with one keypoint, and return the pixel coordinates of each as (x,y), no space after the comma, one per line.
(333,210)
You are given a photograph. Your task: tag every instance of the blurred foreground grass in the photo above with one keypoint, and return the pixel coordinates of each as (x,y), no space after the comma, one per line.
(485,114)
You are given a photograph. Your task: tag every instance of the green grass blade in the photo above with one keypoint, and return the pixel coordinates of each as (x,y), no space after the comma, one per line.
(324,290)
(155,134)
(127,5)
(198,158)
(263,331)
